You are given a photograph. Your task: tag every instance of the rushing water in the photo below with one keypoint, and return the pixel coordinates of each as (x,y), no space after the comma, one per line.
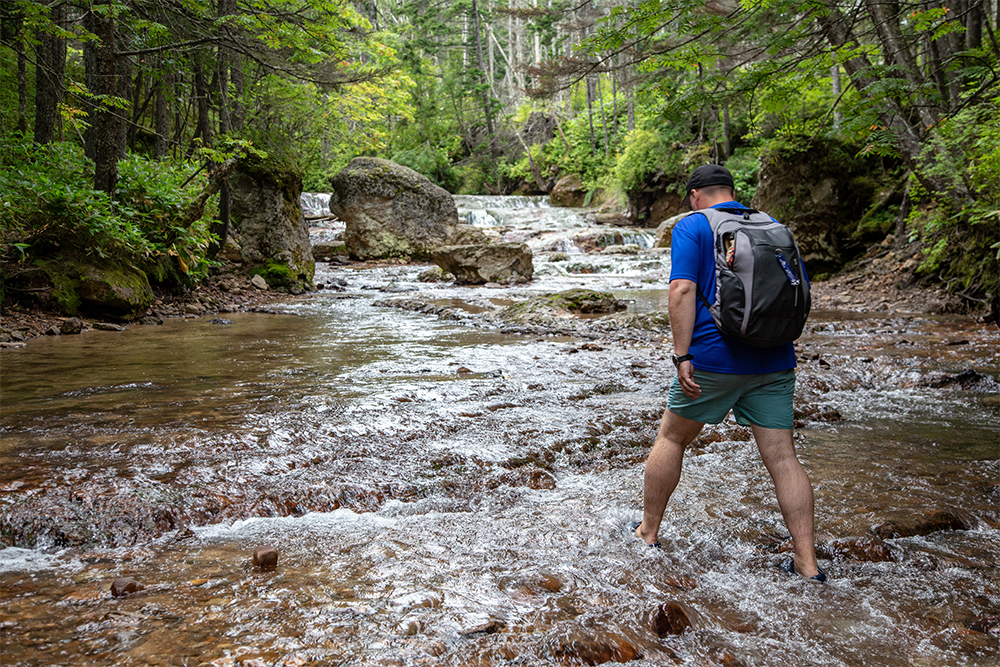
(444,493)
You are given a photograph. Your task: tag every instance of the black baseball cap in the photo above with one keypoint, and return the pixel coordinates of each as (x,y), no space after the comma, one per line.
(706,175)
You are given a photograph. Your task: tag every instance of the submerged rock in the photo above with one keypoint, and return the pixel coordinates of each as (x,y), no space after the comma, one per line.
(937,522)
(593,648)
(670,618)
(860,549)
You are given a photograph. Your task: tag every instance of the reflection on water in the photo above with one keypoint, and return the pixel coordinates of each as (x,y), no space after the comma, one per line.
(443,494)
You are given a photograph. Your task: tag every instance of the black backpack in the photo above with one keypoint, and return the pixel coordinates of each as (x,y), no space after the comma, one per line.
(761,292)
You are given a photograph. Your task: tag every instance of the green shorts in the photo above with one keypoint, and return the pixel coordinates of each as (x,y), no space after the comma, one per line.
(759,400)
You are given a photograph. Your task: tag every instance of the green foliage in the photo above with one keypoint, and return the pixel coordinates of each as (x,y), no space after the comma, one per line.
(960,236)
(645,152)
(49,207)
(745,167)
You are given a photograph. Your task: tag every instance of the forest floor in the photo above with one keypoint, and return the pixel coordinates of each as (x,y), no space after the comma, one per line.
(882,281)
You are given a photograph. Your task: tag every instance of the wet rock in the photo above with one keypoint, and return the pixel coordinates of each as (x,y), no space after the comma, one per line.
(937,522)
(860,549)
(324,252)
(123,586)
(435,275)
(486,263)
(967,379)
(51,331)
(265,557)
(71,325)
(490,627)
(594,648)
(613,219)
(533,478)
(151,320)
(220,320)
(987,624)
(108,326)
(391,210)
(670,618)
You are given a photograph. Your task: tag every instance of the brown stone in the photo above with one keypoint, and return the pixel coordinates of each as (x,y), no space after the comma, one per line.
(861,549)
(670,618)
(936,522)
(265,557)
(591,649)
(123,586)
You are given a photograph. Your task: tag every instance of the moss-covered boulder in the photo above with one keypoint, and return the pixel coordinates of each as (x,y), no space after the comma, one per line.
(821,189)
(579,301)
(273,233)
(391,211)
(75,287)
(119,293)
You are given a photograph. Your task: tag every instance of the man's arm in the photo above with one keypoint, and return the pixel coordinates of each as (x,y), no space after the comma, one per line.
(681,306)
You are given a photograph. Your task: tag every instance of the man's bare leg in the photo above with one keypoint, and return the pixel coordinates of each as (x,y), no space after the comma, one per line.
(794,491)
(663,470)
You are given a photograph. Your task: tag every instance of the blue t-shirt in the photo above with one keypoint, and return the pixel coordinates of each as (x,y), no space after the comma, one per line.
(692,258)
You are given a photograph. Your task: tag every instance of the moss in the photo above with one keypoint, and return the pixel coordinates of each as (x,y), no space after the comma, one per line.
(65,278)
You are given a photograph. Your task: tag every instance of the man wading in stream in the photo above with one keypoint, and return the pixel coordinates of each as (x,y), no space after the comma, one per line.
(717,373)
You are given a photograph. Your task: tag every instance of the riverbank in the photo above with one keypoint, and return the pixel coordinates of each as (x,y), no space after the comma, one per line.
(883,281)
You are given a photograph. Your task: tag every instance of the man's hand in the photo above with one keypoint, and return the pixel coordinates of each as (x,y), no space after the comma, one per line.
(685,373)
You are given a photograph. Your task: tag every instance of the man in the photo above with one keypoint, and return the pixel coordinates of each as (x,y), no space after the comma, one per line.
(716,374)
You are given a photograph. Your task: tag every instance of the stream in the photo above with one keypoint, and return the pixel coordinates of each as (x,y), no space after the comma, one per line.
(443,489)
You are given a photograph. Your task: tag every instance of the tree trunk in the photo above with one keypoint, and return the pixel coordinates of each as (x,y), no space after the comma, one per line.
(835,80)
(203,128)
(590,113)
(482,68)
(50,71)
(162,118)
(103,134)
(22,81)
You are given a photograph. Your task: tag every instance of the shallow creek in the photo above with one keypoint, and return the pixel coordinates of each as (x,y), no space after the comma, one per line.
(441,492)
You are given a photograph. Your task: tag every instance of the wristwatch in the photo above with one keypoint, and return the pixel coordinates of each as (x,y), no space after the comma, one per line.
(681,359)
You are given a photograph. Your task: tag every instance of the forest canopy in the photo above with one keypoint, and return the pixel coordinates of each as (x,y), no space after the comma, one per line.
(116,114)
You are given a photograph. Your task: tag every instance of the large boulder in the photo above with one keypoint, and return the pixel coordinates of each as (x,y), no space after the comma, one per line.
(665,230)
(274,236)
(486,263)
(119,293)
(75,287)
(391,210)
(820,189)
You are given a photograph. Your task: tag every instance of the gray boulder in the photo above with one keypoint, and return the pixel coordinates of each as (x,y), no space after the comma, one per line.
(274,237)
(391,210)
(486,263)
(665,230)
